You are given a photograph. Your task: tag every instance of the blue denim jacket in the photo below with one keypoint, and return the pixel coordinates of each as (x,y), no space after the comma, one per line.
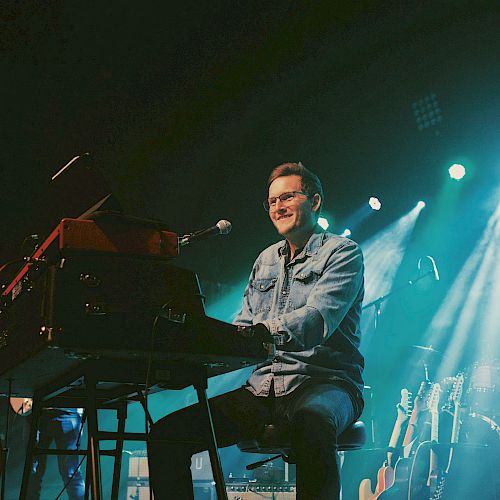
(313,305)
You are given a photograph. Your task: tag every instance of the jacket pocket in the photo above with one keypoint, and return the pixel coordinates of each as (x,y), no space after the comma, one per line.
(264,284)
(307,277)
(262,296)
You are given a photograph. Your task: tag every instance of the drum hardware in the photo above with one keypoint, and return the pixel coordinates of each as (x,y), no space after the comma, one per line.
(493,425)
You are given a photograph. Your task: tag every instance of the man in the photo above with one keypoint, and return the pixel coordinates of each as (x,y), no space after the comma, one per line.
(307,292)
(64,426)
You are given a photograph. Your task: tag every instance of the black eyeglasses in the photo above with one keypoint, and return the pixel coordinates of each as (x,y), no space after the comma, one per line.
(270,203)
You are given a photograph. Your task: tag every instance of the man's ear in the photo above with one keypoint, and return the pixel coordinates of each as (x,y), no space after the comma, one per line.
(316,202)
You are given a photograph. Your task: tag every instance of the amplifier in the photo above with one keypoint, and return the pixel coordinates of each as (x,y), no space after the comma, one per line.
(138,470)
(203,490)
(137,492)
(255,492)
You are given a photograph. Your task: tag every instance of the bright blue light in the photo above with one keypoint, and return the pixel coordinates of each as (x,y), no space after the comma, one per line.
(323,223)
(457,171)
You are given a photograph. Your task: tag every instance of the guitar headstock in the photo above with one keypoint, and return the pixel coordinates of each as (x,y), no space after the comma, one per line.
(404,407)
(433,401)
(422,395)
(456,393)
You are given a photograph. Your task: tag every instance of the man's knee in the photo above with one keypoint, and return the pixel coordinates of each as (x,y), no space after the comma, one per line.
(312,426)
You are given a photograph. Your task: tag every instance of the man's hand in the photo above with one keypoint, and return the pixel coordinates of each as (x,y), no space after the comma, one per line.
(261,333)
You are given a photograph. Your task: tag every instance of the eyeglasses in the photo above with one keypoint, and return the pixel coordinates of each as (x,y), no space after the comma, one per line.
(270,203)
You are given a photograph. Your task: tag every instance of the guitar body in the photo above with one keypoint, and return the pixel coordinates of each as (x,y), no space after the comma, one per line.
(365,490)
(425,485)
(385,475)
(418,488)
(399,488)
(385,479)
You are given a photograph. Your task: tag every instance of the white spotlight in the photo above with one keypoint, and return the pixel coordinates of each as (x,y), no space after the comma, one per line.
(375,203)
(456,171)
(421,204)
(346,233)
(323,223)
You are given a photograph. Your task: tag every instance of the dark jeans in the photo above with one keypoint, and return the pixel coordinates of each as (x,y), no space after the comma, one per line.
(317,414)
(63,428)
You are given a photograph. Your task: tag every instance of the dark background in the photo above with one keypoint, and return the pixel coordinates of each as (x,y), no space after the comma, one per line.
(186,107)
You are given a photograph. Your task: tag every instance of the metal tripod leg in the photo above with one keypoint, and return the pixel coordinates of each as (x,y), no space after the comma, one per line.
(122,416)
(220,485)
(93,454)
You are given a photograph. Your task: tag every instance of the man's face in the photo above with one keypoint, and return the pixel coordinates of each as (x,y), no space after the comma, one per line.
(297,217)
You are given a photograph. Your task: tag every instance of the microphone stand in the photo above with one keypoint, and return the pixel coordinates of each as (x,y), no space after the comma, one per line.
(377,303)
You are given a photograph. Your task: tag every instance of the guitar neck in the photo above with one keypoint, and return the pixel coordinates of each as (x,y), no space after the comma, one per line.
(433,478)
(435,426)
(402,416)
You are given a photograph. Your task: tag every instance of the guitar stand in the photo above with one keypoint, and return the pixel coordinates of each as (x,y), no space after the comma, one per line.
(80,388)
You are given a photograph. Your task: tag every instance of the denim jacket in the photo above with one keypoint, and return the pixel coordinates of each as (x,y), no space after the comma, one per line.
(313,305)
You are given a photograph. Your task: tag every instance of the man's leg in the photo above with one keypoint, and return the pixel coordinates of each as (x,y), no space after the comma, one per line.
(68,431)
(176,437)
(44,438)
(318,414)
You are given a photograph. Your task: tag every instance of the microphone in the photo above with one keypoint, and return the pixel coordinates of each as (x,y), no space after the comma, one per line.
(222,227)
(432,267)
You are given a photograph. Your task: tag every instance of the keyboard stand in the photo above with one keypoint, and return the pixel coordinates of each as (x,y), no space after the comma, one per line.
(111,384)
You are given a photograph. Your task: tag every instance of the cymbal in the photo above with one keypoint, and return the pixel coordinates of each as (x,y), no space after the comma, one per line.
(426,349)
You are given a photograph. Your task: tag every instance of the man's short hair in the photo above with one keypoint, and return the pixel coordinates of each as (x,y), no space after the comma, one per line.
(309,180)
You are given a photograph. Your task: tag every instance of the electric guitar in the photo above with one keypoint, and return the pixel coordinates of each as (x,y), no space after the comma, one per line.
(455,404)
(427,470)
(399,489)
(456,399)
(385,475)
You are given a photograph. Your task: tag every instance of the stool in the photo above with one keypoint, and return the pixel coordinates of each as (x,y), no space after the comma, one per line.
(275,439)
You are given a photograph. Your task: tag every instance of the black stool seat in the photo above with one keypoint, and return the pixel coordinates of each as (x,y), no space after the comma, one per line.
(275,439)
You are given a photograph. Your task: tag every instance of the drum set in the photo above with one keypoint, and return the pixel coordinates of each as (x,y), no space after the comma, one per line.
(481,402)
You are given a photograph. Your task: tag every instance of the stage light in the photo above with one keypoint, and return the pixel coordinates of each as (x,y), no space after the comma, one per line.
(457,171)
(374,203)
(346,233)
(421,204)
(323,223)
(427,112)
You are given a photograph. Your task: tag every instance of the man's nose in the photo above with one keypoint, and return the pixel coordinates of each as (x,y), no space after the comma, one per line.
(280,205)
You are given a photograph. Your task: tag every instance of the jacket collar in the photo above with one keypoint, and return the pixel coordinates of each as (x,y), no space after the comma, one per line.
(312,247)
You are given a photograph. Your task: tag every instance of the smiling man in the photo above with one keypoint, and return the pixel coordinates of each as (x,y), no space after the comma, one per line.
(307,292)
